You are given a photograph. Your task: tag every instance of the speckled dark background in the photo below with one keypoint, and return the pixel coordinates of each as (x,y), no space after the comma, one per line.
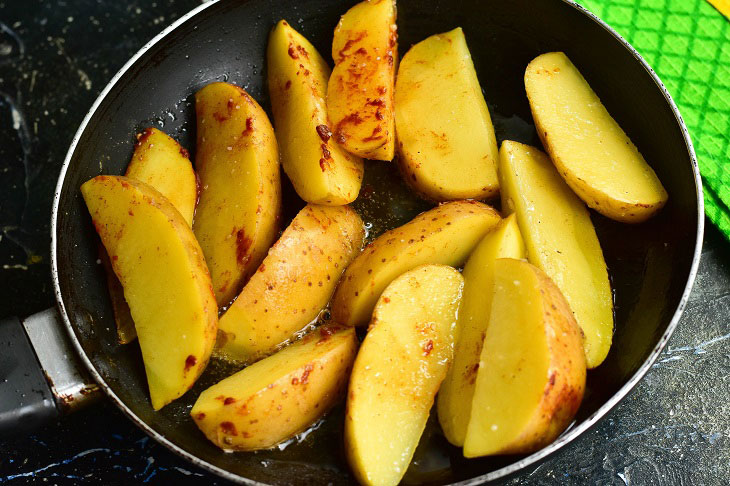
(55,57)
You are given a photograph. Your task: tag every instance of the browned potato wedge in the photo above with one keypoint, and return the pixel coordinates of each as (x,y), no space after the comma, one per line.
(270,401)
(360,90)
(398,370)
(532,372)
(446,141)
(591,151)
(151,247)
(319,169)
(294,282)
(445,234)
(240,196)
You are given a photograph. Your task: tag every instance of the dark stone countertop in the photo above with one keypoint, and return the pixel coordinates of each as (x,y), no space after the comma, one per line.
(55,57)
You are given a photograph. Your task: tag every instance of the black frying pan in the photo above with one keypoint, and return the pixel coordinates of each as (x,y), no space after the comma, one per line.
(652,266)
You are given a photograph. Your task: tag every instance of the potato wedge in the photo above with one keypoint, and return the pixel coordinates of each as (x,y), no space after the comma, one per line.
(398,370)
(446,140)
(294,282)
(360,90)
(591,151)
(151,245)
(445,234)
(237,160)
(161,162)
(532,372)
(320,170)
(272,400)
(126,332)
(560,240)
(455,396)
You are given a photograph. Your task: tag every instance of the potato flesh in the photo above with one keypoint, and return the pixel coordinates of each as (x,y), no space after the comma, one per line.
(294,282)
(531,375)
(319,169)
(591,151)
(560,240)
(457,390)
(151,245)
(446,140)
(360,90)
(398,371)
(161,162)
(272,400)
(240,195)
(445,235)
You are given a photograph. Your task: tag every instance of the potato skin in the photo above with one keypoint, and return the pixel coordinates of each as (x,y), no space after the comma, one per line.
(445,234)
(360,90)
(561,388)
(150,245)
(294,282)
(398,370)
(319,169)
(592,153)
(457,390)
(161,162)
(277,397)
(560,240)
(237,159)
(446,142)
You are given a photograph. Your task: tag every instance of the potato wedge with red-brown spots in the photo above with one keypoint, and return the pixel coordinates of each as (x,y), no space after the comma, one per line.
(270,401)
(360,90)
(240,194)
(294,282)
(166,283)
(319,169)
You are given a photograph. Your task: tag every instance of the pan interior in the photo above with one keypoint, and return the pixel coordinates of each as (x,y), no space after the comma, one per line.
(649,264)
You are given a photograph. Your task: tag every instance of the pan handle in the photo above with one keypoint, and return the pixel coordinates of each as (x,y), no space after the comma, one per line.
(40,377)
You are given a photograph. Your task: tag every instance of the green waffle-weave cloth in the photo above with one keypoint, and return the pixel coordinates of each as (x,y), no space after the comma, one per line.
(687,42)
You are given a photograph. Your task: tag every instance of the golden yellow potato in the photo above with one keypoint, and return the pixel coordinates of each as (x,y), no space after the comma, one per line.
(319,169)
(360,90)
(126,333)
(161,162)
(560,240)
(446,140)
(272,400)
(151,246)
(398,370)
(591,151)
(240,194)
(531,376)
(445,234)
(294,282)
(455,396)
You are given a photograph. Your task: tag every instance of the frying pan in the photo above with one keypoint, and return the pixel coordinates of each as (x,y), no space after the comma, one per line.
(652,266)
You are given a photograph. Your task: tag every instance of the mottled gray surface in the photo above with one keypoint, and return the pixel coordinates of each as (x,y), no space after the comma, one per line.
(54,59)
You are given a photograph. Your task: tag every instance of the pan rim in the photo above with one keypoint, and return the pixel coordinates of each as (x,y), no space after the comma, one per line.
(532,459)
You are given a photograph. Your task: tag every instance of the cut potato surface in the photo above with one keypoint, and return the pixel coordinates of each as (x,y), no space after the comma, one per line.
(531,376)
(319,169)
(126,333)
(360,90)
(446,140)
(398,371)
(161,162)
(272,400)
(240,195)
(457,390)
(445,235)
(150,245)
(294,282)
(560,240)
(591,151)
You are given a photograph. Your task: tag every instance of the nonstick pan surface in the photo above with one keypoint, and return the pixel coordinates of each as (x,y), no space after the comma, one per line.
(652,266)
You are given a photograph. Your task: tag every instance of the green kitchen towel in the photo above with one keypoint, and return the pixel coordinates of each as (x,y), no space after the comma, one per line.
(687,42)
